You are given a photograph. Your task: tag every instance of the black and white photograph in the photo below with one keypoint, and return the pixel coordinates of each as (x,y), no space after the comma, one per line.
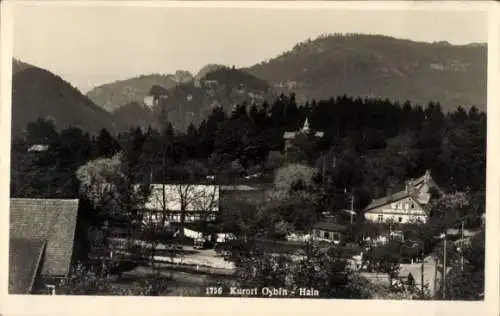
(254,151)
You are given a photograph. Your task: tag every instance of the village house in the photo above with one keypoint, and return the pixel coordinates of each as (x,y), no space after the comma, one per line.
(199,202)
(328,231)
(41,244)
(407,206)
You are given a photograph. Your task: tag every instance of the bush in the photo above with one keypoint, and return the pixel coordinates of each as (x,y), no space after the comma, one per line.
(87,283)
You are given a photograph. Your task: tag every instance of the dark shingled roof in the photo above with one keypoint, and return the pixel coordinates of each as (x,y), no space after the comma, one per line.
(386,200)
(330,226)
(24,260)
(49,220)
(404,193)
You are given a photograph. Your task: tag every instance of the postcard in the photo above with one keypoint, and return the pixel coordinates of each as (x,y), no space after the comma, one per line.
(291,156)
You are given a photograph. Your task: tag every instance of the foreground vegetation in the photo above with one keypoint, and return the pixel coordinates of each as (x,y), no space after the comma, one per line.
(369,145)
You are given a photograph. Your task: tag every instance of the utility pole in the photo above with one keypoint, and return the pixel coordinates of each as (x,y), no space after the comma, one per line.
(352,207)
(324,172)
(462,248)
(422,269)
(436,262)
(444,267)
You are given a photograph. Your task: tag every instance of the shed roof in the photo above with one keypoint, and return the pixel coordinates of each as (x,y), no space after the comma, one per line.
(50,220)
(24,259)
(237,187)
(330,226)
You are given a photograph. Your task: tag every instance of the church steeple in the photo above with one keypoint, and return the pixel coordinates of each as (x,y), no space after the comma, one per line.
(305,128)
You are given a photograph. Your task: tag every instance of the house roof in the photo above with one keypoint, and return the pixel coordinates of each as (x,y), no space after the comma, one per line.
(50,220)
(426,178)
(405,193)
(38,148)
(198,197)
(386,199)
(289,135)
(330,226)
(239,187)
(24,260)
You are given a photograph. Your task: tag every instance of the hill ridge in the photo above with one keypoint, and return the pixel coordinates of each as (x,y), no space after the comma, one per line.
(39,93)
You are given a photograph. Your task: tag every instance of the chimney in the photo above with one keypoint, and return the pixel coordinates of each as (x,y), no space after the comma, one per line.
(389,194)
(408,186)
(427,176)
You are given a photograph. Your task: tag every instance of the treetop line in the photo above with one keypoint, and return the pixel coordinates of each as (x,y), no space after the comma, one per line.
(342,153)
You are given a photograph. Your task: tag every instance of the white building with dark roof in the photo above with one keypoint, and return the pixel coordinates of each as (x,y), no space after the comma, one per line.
(167,202)
(410,205)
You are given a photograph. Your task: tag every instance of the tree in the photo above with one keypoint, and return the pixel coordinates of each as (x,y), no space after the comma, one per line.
(298,209)
(295,176)
(100,182)
(155,230)
(106,145)
(468,284)
(50,173)
(274,160)
(385,258)
(42,131)
(209,129)
(312,267)
(448,211)
(104,183)
(238,214)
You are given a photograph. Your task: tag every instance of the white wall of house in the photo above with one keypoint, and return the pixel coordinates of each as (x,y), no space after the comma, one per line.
(403,211)
(164,203)
(175,217)
(322,234)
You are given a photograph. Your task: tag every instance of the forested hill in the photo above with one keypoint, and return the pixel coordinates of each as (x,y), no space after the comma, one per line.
(116,94)
(191,101)
(381,66)
(38,93)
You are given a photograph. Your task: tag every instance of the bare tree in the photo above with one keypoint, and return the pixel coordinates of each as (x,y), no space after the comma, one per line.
(175,201)
(155,231)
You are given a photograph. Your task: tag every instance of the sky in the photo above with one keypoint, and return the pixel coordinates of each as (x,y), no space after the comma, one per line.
(93,45)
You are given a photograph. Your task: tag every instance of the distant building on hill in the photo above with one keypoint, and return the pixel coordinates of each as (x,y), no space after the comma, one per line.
(149,100)
(410,205)
(38,148)
(289,137)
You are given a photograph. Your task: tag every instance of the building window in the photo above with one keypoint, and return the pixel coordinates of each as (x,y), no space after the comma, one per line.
(412,205)
(400,219)
(336,236)
(326,235)
(381,218)
(318,234)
